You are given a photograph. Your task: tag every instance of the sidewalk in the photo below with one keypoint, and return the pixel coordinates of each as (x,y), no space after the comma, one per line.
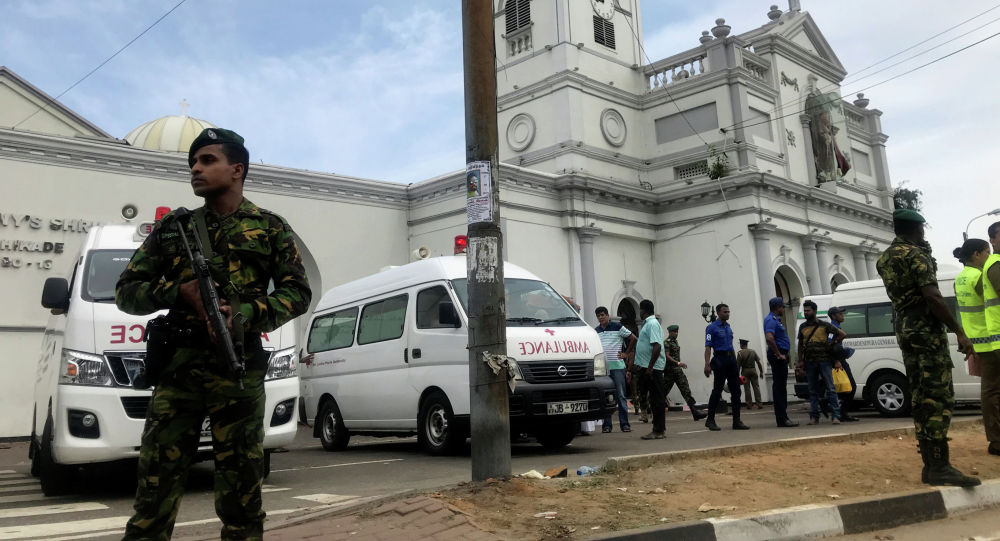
(417,517)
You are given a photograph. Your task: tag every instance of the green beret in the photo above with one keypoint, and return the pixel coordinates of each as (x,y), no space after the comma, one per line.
(907,215)
(213,136)
(673,328)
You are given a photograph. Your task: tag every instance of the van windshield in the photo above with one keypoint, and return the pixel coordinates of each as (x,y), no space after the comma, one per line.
(529,303)
(103,267)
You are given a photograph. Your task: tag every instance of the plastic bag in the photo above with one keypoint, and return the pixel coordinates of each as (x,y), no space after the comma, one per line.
(841,382)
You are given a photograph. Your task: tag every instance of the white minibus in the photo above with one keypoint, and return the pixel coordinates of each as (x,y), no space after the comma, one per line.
(386,356)
(85,408)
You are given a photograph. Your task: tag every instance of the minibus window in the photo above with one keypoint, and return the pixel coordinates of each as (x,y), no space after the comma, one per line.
(880,320)
(333,331)
(101,272)
(429,302)
(382,320)
(529,303)
(854,324)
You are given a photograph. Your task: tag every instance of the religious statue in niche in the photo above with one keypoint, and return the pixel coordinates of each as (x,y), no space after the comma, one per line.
(826,127)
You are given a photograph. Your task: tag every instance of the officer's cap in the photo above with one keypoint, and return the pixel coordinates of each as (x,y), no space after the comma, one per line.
(213,136)
(833,310)
(776,302)
(673,328)
(907,215)
(744,341)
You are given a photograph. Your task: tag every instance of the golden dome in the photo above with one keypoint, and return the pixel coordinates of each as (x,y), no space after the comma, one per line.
(170,133)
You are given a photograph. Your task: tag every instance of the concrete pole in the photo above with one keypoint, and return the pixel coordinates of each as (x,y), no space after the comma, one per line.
(762,251)
(812,266)
(489,415)
(587,272)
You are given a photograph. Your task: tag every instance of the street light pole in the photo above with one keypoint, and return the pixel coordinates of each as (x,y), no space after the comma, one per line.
(489,408)
(994,212)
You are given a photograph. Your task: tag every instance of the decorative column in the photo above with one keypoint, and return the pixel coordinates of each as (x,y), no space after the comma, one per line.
(808,149)
(823,261)
(812,266)
(871,257)
(860,264)
(587,274)
(762,250)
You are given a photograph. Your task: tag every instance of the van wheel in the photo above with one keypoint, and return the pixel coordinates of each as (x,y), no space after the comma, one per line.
(891,395)
(557,436)
(56,479)
(332,433)
(437,432)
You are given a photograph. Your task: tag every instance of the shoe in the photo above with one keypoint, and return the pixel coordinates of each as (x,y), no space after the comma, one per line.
(758,406)
(698,414)
(606,430)
(813,421)
(738,425)
(787,423)
(836,421)
(644,418)
(710,424)
(940,471)
(625,428)
(849,419)
(994,448)
(654,436)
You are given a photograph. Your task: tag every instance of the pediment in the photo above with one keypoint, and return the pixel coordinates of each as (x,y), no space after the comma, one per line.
(804,32)
(29,109)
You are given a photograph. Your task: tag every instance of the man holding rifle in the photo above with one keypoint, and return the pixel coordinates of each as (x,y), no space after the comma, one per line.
(199,369)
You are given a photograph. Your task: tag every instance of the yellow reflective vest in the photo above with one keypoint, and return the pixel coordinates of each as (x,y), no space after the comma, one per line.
(971,308)
(992,303)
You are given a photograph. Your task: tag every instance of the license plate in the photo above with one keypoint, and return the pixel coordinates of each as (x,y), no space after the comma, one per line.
(557,408)
(206,428)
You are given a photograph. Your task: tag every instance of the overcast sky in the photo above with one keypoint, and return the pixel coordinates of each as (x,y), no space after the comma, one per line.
(374,88)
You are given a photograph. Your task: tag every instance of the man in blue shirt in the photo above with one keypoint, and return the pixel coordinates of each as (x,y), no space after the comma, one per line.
(649,355)
(842,354)
(720,358)
(778,345)
(616,341)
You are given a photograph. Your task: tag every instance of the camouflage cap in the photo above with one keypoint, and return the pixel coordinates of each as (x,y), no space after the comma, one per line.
(673,328)
(213,136)
(907,215)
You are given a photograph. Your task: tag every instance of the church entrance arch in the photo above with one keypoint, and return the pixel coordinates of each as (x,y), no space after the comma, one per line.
(788,286)
(627,313)
(837,280)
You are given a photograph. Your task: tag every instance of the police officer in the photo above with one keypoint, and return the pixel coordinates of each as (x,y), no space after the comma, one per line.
(749,362)
(921,317)
(778,346)
(990,360)
(720,358)
(674,372)
(247,248)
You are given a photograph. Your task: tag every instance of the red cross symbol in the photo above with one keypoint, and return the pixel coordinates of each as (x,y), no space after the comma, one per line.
(551,332)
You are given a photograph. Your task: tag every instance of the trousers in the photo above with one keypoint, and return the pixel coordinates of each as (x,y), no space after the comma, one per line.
(779,384)
(726,370)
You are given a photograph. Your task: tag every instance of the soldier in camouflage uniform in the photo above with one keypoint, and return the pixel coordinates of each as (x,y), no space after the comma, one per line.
(674,372)
(921,315)
(251,247)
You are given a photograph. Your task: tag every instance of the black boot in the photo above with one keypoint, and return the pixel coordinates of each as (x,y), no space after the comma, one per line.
(695,412)
(737,423)
(940,471)
(710,423)
(925,456)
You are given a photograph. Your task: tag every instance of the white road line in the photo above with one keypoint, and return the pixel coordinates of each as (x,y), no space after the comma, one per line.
(21,498)
(12,475)
(7,471)
(62,528)
(21,488)
(90,535)
(51,509)
(267,488)
(326,499)
(339,465)
(691,432)
(25,481)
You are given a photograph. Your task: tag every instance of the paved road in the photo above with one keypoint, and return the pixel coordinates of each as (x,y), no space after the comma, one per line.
(980,526)
(309,477)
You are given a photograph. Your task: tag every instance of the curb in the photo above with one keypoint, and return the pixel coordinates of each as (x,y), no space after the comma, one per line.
(815,521)
(641,461)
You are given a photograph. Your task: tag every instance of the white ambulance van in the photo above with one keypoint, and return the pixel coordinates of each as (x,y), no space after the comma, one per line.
(386,356)
(85,409)
(877,363)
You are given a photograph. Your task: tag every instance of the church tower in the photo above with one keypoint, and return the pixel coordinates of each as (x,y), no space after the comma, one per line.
(568,72)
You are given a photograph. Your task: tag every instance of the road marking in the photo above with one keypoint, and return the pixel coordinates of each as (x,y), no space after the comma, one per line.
(269,488)
(691,432)
(326,499)
(21,498)
(7,471)
(51,509)
(62,528)
(386,461)
(25,481)
(12,475)
(22,488)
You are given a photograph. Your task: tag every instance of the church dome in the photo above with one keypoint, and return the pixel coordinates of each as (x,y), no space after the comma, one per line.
(170,133)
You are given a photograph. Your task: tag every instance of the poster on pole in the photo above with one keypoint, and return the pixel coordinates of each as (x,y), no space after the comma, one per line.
(479,192)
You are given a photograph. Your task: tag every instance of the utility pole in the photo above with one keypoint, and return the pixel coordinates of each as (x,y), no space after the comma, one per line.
(489,407)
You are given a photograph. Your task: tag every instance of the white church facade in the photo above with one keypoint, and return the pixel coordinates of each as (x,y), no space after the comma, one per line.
(731,172)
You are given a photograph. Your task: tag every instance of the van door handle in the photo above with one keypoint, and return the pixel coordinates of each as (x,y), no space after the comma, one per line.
(416,353)
(406,357)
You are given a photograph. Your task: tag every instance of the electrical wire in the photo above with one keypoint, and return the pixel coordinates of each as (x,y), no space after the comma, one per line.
(50,101)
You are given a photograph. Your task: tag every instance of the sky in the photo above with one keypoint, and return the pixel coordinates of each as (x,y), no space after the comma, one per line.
(374,89)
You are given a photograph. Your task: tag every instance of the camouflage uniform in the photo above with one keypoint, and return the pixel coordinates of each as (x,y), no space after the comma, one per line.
(906,267)
(252,247)
(674,374)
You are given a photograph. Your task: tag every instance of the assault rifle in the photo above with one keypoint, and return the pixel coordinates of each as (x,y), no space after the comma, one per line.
(210,296)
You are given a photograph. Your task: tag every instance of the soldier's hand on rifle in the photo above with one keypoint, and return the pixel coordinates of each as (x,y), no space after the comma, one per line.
(191,294)
(226,311)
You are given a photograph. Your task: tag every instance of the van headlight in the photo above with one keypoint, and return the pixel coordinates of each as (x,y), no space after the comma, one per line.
(512,362)
(80,368)
(600,365)
(283,364)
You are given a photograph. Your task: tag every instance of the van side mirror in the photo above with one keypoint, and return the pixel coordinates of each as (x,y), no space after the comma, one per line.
(55,295)
(447,315)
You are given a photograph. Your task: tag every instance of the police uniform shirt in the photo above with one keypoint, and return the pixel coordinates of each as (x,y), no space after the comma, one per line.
(719,336)
(773,325)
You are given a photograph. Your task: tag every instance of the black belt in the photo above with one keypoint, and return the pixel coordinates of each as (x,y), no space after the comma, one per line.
(725,353)
(198,337)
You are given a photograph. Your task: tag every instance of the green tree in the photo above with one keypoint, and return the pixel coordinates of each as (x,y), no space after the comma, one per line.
(905,198)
